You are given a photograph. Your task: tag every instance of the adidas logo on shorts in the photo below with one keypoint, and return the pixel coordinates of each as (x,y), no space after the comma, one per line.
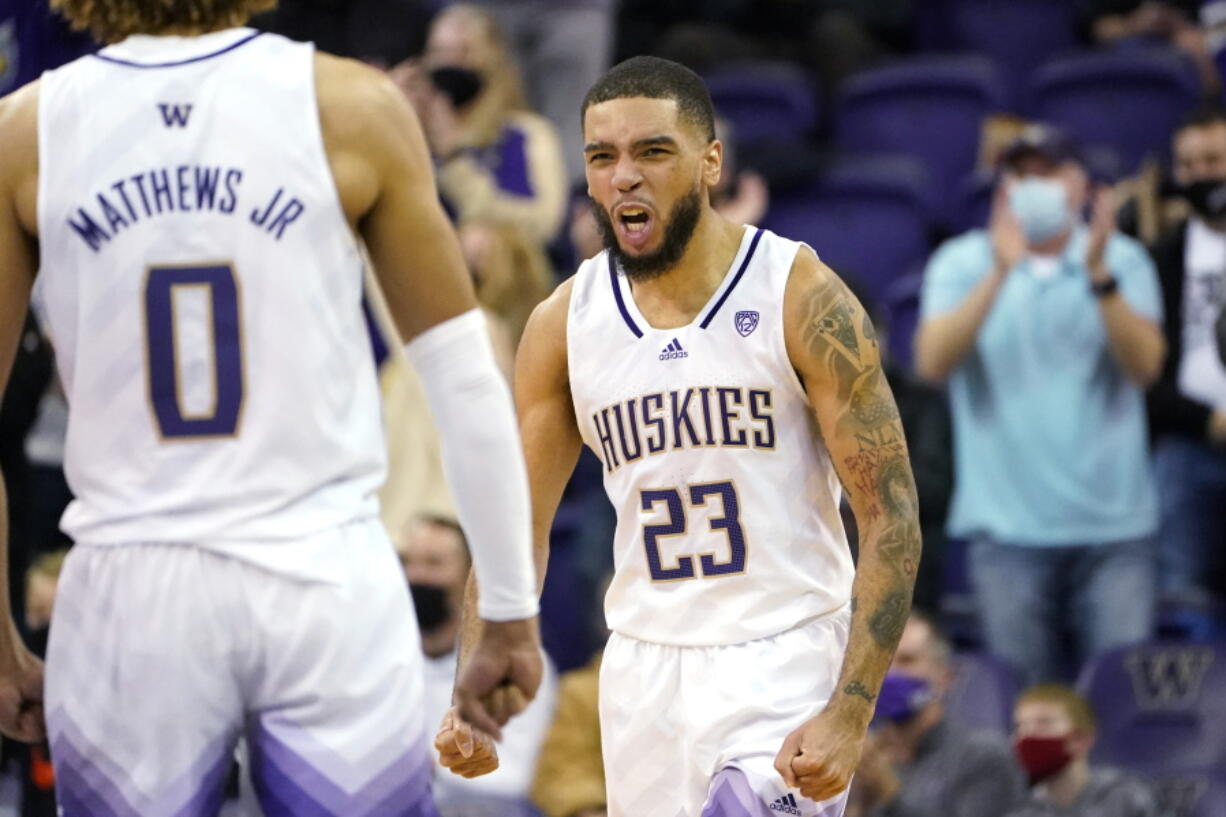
(673,350)
(786,804)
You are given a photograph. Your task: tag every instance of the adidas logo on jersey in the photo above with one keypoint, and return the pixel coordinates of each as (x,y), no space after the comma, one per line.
(786,804)
(673,350)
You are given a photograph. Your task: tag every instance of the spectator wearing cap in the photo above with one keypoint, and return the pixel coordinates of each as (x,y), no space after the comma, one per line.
(1053,734)
(1047,331)
(916,761)
(1187,407)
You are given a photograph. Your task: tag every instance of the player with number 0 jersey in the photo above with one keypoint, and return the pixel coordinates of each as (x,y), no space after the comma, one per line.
(187,206)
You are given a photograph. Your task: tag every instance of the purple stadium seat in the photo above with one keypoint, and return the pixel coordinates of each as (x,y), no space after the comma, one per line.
(1197,793)
(1160,706)
(982,693)
(901,306)
(930,108)
(1130,99)
(866,217)
(974,202)
(765,100)
(1017,34)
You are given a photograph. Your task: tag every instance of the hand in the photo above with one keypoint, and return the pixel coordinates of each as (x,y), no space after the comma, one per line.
(1008,240)
(821,756)
(464,750)
(1102,225)
(21,695)
(501,674)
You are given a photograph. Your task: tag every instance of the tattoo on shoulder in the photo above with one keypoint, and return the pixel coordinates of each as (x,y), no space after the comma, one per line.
(830,326)
(859,690)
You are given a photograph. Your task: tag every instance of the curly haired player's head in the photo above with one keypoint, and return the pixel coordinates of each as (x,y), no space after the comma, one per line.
(110,21)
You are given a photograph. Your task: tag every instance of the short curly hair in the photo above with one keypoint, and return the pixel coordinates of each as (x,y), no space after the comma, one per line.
(657,78)
(110,21)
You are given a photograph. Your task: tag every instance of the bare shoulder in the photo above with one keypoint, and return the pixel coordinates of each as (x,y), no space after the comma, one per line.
(823,320)
(370,133)
(19,126)
(548,320)
(19,155)
(356,101)
(542,349)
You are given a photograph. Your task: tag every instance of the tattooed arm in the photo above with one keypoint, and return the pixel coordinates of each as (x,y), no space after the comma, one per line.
(832,345)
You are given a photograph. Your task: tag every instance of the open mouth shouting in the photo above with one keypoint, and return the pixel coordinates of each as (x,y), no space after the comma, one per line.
(633,222)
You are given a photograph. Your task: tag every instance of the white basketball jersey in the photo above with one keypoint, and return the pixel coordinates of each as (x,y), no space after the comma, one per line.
(728,525)
(203,292)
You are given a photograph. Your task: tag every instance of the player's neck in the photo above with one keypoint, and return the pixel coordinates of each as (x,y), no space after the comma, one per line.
(193,31)
(667,300)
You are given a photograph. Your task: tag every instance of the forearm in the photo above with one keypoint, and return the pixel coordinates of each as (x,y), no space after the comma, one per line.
(470,620)
(945,340)
(1136,343)
(482,459)
(881,602)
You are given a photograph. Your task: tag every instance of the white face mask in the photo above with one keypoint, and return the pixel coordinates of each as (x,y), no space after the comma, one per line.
(1041,206)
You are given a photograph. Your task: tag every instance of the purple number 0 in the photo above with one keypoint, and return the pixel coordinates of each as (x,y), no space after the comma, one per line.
(729,523)
(164,386)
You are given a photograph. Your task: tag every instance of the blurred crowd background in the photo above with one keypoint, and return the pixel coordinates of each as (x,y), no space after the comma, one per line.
(1067,655)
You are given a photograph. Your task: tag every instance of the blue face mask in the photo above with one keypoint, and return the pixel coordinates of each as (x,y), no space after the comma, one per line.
(902,697)
(1041,206)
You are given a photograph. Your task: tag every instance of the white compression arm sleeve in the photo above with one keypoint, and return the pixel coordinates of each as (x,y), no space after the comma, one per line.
(482,459)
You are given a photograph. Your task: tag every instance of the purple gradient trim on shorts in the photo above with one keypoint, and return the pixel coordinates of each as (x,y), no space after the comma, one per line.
(289,786)
(85,789)
(731,795)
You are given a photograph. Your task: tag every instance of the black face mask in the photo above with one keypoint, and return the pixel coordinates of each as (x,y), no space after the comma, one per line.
(430,602)
(461,85)
(1207,197)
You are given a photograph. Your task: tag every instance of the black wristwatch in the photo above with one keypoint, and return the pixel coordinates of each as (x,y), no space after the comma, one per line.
(1104,287)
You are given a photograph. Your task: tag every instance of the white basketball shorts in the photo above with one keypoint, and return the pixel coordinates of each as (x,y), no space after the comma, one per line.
(694,731)
(162,655)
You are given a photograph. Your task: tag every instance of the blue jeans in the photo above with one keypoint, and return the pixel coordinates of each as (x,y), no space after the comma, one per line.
(1029,595)
(1191,479)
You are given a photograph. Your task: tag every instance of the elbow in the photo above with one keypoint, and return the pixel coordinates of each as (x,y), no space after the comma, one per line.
(1148,371)
(930,371)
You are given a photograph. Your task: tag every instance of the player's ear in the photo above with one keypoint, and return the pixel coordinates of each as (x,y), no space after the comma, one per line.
(712,163)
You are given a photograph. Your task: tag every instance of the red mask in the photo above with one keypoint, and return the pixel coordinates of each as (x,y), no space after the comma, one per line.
(1042,757)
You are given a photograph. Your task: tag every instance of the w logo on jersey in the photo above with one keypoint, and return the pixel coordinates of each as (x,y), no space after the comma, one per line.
(1168,678)
(746,321)
(175,115)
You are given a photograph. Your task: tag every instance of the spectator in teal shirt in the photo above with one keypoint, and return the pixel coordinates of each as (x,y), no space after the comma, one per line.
(1047,331)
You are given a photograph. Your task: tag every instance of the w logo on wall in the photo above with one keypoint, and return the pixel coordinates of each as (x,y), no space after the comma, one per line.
(746,321)
(1169,678)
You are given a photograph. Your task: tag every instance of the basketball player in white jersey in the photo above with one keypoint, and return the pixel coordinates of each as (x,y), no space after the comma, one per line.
(728,381)
(186,206)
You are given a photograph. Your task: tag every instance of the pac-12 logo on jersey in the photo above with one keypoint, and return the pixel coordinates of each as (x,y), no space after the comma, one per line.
(746,321)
